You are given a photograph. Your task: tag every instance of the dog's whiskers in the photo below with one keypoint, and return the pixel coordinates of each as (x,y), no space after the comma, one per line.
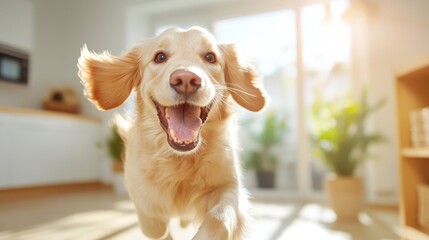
(220,99)
(235,90)
(238,91)
(244,99)
(216,100)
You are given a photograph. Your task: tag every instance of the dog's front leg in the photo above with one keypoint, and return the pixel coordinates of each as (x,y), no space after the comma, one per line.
(226,220)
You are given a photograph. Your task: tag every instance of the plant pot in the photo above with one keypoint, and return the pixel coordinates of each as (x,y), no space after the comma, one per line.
(345,196)
(265,179)
(117,166)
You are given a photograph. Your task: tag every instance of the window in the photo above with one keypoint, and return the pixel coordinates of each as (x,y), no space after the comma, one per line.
(326,41)
(273,52)
(301,53)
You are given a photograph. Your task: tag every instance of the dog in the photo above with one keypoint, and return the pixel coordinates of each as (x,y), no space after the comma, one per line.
(181,151)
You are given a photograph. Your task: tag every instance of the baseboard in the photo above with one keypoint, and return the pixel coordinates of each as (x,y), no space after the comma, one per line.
(20,192)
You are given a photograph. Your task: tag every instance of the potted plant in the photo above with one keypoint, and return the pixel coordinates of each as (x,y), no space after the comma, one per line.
(262,157)
(115,146)
(340,140)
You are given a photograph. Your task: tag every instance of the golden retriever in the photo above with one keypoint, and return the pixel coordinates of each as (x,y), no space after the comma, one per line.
(181,153)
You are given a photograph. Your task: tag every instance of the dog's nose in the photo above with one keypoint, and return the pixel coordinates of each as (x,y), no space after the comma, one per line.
(185,82)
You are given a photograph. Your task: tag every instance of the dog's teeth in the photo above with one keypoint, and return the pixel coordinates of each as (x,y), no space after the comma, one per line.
(199,112)
(195,134)
(167,114)
(173,135)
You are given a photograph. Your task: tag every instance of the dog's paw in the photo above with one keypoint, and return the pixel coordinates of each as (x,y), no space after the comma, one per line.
(184,223)
(216,227)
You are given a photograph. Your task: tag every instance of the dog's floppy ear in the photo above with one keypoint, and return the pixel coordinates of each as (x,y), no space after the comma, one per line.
(242,81)
(108,79)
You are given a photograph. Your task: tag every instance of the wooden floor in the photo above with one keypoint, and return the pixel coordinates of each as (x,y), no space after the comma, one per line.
(95,212)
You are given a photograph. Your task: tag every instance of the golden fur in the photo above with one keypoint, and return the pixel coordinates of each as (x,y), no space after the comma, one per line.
(202,186)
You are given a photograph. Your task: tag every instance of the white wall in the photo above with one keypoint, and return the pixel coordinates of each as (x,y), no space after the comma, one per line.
(17,30)
(101,25)
(16,23)
(62,27)
(53,31)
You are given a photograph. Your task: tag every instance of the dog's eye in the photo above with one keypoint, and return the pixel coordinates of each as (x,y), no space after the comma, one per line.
(160,57)
(210,57)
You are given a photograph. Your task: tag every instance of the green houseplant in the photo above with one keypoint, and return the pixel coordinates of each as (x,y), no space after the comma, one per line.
(262,157)
(115,146)
(340,140)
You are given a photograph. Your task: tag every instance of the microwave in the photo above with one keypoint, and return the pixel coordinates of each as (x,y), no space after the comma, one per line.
(13,65)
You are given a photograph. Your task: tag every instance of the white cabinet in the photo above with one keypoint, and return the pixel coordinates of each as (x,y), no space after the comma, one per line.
(38,148)
(4,153)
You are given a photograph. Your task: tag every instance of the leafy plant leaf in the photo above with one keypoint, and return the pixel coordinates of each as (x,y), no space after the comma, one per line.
(115,144)
(339,137)
(271,134)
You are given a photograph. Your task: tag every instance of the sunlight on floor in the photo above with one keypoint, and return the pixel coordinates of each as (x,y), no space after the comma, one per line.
(85,225)
(313,221)
(302,229)
(308,225)
(272,221)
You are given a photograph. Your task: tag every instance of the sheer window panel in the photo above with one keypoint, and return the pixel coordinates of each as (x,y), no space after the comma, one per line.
(268,41)
(326,62)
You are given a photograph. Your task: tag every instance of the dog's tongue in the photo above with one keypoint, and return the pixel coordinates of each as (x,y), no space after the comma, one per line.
(185,122)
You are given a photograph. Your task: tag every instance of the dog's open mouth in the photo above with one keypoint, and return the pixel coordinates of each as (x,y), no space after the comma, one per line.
(182,123)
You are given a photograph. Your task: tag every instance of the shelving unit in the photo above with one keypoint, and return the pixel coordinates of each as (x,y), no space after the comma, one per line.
(412,88)
(416,153)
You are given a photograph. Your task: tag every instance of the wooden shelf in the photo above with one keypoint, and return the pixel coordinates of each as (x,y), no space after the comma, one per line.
(414,233)
(416,152)
(411,94)
(420,66)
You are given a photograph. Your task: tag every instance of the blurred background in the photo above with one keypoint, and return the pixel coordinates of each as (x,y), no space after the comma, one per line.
(313,54)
